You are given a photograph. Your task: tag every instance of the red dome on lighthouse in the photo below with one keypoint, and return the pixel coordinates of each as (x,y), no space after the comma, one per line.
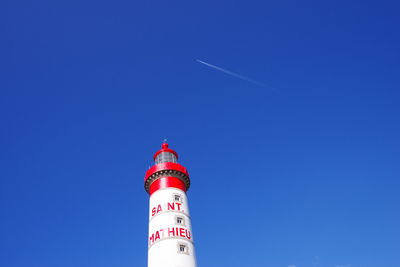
(164,148)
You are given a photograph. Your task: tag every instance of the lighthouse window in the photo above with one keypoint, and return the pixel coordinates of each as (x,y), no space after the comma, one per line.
(177,198)
(180,220)
(183,248)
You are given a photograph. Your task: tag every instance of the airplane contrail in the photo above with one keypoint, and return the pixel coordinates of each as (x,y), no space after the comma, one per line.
(234,74)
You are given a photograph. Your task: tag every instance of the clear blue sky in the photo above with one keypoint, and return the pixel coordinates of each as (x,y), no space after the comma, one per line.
(306,175)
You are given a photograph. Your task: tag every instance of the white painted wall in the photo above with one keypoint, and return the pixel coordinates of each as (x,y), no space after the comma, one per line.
(164,246)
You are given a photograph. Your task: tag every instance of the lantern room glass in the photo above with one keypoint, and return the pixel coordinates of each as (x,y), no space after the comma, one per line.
(165,157)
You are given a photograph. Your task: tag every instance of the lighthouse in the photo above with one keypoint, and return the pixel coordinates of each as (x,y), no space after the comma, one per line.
(170,241)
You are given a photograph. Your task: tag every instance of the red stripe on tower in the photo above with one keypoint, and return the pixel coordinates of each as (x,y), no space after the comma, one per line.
(166,182)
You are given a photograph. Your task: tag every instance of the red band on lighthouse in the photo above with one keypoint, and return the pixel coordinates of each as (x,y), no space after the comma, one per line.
(165,182)
(166,169)
(165,166)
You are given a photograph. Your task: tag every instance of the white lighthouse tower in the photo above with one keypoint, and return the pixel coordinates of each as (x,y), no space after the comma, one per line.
(170,242)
